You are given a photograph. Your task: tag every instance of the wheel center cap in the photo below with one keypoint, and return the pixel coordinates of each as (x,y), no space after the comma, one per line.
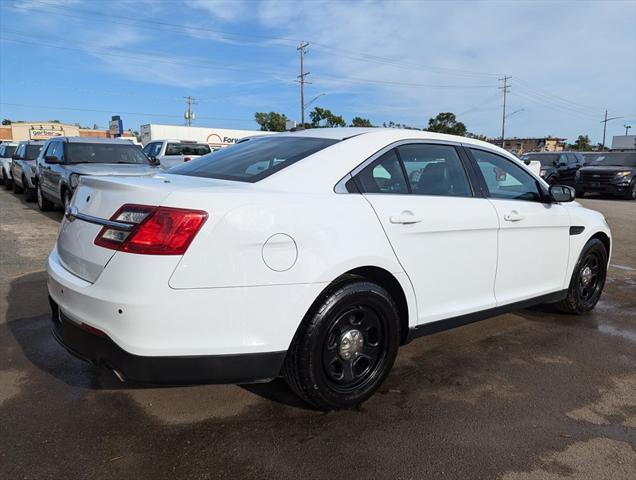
(351,344)
(586,275)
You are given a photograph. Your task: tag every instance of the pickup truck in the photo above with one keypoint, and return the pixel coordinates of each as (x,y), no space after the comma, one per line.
(169,153)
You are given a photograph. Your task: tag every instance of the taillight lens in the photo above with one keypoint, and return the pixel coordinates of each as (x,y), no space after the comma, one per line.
(155,231)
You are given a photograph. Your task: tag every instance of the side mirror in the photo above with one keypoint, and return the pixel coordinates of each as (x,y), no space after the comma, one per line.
(527,162)
(15,157)
(154,160)
(562,193)
(51,159)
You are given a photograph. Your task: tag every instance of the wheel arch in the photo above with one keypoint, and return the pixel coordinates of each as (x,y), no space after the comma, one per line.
(605,239)
(384,279)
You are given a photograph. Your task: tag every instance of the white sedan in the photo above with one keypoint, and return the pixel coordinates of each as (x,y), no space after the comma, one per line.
(313,255)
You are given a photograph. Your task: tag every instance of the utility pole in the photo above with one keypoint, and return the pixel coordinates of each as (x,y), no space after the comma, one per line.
(503,116)
(604,122)
(189,114)
(302,81)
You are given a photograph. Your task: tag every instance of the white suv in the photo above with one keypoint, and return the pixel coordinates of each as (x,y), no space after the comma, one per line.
(168,153)
(313,255)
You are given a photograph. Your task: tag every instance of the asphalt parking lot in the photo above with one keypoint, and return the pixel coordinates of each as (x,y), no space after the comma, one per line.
(530,395)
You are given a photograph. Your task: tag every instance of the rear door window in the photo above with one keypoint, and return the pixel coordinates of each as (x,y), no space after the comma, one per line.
(384,175)
(434,170)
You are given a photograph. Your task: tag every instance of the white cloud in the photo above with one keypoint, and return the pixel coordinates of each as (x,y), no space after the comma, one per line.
(225,10)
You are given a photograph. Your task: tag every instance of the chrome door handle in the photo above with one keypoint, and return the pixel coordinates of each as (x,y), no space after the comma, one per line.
(405,218)
(513,216)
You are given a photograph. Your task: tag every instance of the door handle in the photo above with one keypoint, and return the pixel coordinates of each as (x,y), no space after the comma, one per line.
(513,216)
(405,218)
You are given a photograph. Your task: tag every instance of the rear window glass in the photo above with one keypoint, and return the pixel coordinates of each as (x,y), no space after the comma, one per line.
(32,151)
(254,159)
(104,153)
(187,149)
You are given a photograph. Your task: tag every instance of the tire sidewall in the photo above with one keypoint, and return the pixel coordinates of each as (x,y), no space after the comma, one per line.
(345,297)
(593,245)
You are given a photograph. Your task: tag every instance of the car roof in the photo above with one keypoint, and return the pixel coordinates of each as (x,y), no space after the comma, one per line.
(32,142)
(176,140)
(87,140)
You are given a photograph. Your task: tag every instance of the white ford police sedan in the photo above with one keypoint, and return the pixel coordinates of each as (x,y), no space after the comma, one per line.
(313,255)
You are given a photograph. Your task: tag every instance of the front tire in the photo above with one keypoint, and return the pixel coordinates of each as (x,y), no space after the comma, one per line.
(17,189)
(588,279)
(29,193)
(630,193)
(43,204)
(345,346)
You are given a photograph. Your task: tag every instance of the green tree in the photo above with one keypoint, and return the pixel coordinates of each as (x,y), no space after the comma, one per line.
(271,122)
(323,114)
(477,136)
(446,122)
(361,122)
(6,121)
(582,144)
(392,124)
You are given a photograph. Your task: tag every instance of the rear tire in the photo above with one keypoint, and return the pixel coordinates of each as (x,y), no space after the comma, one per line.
(345,346)
(43,204)
(588,279)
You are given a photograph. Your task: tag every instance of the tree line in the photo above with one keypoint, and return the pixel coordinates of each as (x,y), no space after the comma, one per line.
(444,122)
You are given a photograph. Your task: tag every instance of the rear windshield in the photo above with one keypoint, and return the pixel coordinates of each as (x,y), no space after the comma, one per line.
(32,151)
(104,153)
(254,159)
(619,159)
(8,151)
(546,160)
(187,149)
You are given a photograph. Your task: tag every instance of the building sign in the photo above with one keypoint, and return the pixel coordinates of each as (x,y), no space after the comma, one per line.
(216,141)
(116,126)
(44,133)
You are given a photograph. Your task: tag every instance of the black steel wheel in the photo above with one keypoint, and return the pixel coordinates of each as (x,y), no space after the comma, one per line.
(345,347)
(588,279)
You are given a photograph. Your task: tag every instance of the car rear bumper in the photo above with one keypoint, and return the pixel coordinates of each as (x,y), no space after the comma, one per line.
(97,348)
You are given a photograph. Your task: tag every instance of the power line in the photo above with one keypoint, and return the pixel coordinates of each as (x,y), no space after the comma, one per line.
(145,114)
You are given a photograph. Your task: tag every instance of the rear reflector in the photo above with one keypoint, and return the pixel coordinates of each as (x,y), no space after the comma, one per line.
(156,231)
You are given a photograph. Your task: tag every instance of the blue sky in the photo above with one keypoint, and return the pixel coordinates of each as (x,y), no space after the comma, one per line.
(402,61)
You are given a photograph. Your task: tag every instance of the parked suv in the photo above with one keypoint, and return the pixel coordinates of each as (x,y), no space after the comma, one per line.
(608,172)
(23,168)
(64,160)
(169,153)
(6,152)
(558,167)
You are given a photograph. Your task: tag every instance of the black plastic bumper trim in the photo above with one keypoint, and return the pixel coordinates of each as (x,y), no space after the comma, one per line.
(178,370)
(576,230)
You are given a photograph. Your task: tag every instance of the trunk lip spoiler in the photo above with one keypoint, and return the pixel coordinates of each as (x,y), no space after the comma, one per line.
(72,214)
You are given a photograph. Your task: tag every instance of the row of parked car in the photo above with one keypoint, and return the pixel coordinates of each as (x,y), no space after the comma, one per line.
(49,171)
(611,173)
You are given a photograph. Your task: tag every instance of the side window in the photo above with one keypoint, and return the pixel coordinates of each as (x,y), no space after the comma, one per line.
(152,149)
(572,160)
(563,160)
(20,151)
(434,170)
(385,175)
(57,149)
(505,179)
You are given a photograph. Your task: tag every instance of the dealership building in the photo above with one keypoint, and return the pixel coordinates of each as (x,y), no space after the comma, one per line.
(44,130)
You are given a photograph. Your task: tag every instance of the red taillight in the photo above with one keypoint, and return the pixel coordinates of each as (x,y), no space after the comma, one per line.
(186,159)
(155,231)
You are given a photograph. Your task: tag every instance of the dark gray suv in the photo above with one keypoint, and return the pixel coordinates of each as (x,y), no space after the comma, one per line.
(64,160)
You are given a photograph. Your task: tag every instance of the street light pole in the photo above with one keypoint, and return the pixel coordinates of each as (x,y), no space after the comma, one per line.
(604,122)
